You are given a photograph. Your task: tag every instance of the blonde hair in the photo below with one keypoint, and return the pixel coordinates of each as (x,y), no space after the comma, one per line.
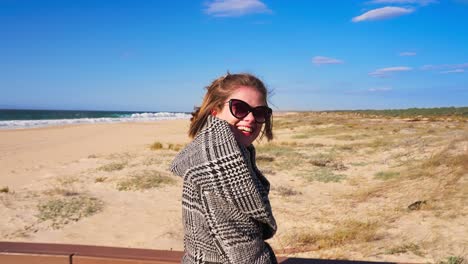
(216,95)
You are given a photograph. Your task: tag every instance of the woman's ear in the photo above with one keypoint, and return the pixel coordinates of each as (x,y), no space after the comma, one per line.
(214,112)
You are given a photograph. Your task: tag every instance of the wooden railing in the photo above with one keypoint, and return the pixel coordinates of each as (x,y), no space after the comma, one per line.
(38,253)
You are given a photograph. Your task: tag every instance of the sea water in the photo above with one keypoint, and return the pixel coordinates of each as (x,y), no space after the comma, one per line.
(22,118)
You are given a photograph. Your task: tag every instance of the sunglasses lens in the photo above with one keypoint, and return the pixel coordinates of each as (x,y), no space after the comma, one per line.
(261,114)
(239,108)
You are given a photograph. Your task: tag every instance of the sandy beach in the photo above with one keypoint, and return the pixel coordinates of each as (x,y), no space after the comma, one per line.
(343,186)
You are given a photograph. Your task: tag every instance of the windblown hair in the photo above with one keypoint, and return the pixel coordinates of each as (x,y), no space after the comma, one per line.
(216,95)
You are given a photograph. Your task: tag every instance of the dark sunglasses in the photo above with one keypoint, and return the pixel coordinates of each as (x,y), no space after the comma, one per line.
(240,109)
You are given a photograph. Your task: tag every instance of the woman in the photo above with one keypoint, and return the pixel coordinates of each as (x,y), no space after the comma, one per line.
(226,211)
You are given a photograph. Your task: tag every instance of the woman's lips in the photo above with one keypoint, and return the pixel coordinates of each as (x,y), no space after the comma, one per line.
(245,130)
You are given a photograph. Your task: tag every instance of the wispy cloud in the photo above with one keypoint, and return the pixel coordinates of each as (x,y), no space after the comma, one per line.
(379,89)
(319,60)
(233,8)
(374,90)
(383,13)
(387,72)
(404,2)
(431,67)
(407,53)
(453,71)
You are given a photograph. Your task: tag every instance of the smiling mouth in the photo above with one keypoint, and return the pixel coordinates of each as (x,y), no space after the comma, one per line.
(245,129)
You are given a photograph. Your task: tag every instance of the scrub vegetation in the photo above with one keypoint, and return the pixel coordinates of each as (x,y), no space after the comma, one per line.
(143,180)
(63,210)
(170,146)
(388,167)
(113,166)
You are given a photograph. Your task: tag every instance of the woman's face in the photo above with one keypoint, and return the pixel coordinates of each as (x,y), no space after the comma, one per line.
(245,130)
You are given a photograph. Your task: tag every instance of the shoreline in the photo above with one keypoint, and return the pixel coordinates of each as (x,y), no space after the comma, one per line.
(30,149)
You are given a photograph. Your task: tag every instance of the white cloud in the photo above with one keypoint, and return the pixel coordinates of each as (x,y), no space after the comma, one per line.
(428,67)
(407,53)
(454,71)
(319,60)
(232,8)
(379,89)
(397,2)
(444,67)
(386,72)
(383,13)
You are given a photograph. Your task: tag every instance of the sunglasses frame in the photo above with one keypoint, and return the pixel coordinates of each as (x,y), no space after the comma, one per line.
(251,109)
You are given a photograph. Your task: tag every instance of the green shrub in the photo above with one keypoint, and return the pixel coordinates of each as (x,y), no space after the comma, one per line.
(386,175)
(323,175)
(114,166)
(145,180)
(62,211)
(156,146)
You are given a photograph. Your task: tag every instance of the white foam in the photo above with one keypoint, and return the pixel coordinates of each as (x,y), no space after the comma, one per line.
(138,117)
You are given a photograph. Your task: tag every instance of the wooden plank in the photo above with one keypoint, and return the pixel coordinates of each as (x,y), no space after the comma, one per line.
(101,252)
(327,261)
(25,258)
(110,260)
(35,253)
(128,253)
(37,248)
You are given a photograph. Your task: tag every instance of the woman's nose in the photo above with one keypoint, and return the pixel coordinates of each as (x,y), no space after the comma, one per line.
(249,117)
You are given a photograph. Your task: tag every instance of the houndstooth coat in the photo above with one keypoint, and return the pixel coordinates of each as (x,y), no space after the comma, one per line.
(225,207)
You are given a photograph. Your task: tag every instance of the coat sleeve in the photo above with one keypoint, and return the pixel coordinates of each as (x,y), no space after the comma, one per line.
(237,237)
(236,212)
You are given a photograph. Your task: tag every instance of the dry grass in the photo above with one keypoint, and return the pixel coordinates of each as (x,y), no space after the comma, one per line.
(175,147)
(396,182)
(379,144)
(156,146)
(100,179)
(144,180)
(60,191)
(457,164)
(285,156)
(404,248)
(358,164)
(265,158)
(61,211)
(171,146)
(444,169)
(347,232)
(328,160)
(322,175)
(453,260)
(67,180)
(114,166)
(286,191)
(301,136)
(348,137)
(275,149)
(386,175)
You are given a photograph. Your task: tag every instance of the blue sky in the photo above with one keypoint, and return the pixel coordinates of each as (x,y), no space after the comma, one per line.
(159,55)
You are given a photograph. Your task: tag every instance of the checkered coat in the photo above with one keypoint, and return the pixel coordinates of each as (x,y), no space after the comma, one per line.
(226,212)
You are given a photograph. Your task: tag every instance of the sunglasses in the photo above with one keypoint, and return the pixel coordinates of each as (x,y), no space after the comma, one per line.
(240,109)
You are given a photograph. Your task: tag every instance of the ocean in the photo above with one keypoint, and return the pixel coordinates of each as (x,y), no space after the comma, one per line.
(23,118)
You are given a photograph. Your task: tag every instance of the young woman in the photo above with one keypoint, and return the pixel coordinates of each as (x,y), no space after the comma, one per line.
(226,211)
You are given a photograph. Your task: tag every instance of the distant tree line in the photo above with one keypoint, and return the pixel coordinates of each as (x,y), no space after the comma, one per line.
(412,112)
